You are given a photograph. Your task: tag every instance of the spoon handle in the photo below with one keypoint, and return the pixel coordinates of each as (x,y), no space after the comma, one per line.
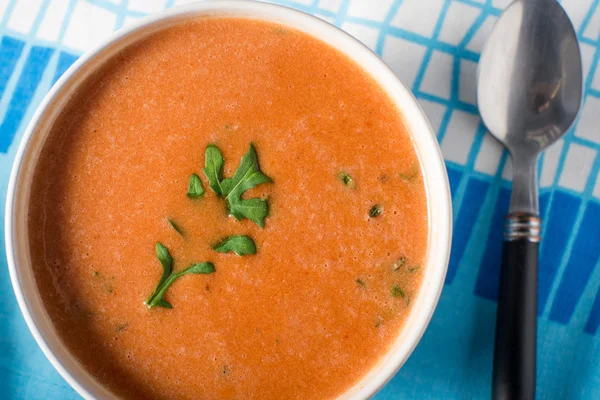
(516,323)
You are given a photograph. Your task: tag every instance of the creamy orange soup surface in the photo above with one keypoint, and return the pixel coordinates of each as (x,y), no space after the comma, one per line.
(337,263)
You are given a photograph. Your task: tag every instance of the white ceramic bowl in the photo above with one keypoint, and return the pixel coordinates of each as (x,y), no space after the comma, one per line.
(436,182)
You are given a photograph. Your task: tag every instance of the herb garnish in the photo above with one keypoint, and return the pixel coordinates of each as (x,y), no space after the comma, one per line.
(107,286)
(156,299)
(213,167)
(347,180)
(397,291)
(375,211)
(241,245)
(247,176)
(195,189)
(414,269)
(378,321)
(121,327)
(280,30)
(402,262)
(361,283)
(81,311)
(410,176)
(399,264)
(177,228)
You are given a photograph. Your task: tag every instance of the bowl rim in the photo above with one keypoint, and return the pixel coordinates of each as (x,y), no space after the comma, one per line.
(434,170)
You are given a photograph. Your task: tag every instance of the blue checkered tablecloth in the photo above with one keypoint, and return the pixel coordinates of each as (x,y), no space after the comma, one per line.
(434,47)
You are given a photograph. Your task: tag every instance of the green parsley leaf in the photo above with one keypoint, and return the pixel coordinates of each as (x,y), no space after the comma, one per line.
(195,189)
(247,176)
(255,210)
(347,180)
(213,167)
(397,291)
(198,268)
(361,283)
(241,245)
(166,261)
(156,299)
(375,211)
(174,225)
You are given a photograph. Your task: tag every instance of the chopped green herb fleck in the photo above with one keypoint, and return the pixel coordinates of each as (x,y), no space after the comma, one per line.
(107,286)
(397,291)
(411,175)
(347,180)
(121,327)
(361,283)
(378,321)
(156,299)
(195,188)
(375,211)
(399,264)
(81,312)
(241,245)
(414,269)
(177,228)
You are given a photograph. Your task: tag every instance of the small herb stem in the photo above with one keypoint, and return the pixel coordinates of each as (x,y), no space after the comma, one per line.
(162,289)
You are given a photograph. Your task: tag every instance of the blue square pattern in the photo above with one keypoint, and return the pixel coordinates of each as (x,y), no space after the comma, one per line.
(434,47)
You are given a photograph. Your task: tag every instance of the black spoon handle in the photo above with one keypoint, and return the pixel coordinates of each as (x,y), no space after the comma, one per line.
(516,321)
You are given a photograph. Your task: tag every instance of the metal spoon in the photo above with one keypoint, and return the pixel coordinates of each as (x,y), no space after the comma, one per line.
(529,89)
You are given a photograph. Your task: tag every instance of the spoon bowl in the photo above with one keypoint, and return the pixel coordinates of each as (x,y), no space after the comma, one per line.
(529,76)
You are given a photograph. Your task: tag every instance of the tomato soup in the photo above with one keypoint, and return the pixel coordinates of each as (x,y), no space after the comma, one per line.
(318,293)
